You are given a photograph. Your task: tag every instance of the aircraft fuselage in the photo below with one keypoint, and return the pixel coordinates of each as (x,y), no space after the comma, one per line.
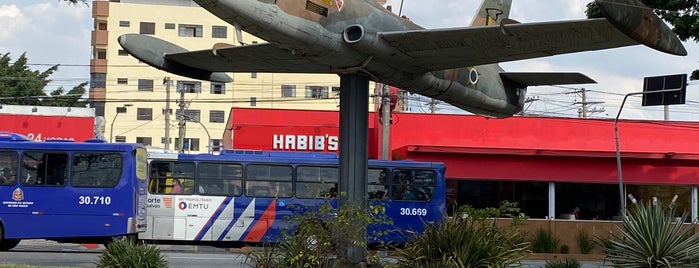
(345,38)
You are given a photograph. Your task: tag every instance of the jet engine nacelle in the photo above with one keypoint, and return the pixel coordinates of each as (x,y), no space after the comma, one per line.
(369,43)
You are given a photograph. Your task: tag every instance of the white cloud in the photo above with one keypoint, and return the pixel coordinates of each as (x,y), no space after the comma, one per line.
(11,21)
(50,32)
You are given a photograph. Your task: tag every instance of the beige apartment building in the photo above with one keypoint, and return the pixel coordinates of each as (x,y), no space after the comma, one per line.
(132,96)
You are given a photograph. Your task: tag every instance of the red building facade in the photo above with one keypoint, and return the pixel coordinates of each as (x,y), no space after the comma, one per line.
(531,160)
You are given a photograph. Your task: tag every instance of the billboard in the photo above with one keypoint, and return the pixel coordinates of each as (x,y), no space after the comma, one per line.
(48,123)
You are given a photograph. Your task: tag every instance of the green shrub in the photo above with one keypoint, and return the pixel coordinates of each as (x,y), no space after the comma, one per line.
(544,242)
(473,242)
(567,263)
(316,236)
(585,243)
(649,237)
(131,253)
(565,249)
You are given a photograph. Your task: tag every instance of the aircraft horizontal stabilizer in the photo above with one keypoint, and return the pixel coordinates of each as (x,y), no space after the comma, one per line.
(153,51)
(640,23)
(547,79)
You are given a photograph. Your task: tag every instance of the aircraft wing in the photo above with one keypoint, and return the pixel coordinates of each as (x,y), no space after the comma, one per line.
(249,58)
(440,49)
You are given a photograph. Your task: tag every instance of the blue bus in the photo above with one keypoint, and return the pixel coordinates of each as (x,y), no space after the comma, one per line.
(243,197)
(78,192)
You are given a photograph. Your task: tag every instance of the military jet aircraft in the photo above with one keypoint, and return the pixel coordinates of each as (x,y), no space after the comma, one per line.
(455,65)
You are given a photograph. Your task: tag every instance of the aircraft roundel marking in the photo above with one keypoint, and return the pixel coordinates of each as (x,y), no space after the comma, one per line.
(340,4)
(473,76)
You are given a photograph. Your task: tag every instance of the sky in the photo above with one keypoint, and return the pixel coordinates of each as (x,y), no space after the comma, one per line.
(53,32)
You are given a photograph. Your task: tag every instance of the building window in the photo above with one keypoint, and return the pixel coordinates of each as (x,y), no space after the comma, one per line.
(120,139)
(99,108)
(101,54)
(147,28)
(162,140)
(216,116)
(216,145)
(170,26)
(146,141)
(218,88)
(288,91)
(316,92)
(189,30)
(102,26)
(336,91)
(190,144)
(144,114)
(219,32)
(253,101)
(145,85)
(192,115)
(189,86)
(124,23)
(122,81)
(123,52)
(98,80)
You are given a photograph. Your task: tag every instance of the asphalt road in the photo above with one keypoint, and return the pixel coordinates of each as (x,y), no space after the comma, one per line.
(48,253)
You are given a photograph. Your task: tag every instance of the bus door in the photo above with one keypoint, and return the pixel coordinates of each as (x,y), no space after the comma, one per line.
(170,186)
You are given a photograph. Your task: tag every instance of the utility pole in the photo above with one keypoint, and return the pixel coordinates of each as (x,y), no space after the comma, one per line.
(167,83)
(528,101)
(385,121)
(182,122)
(433,105)
(583,112)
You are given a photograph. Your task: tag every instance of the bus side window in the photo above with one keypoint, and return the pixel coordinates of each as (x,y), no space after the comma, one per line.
(184,172)
(402,189)
(89,169)
(8,162)
(424,184)
(378,187)
(44,168)
(269,180)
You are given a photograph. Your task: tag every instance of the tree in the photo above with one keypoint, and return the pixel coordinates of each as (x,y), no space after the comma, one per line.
(20,85)
(75,2)
(683,15)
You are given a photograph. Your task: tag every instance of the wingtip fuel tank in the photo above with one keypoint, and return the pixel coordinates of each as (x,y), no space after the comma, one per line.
(640,23)
(153,51)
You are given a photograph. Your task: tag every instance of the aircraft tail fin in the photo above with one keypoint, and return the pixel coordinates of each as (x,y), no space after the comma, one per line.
(492,12)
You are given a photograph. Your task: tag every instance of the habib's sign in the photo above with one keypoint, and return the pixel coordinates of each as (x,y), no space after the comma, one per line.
(306,142)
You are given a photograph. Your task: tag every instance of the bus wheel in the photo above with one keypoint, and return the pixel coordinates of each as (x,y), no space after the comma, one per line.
(7,244)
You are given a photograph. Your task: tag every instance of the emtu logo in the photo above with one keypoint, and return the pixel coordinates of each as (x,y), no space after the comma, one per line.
(182,205)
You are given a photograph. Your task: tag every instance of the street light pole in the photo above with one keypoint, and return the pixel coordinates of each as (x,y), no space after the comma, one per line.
(622,200)
(119,110)
(210,150)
